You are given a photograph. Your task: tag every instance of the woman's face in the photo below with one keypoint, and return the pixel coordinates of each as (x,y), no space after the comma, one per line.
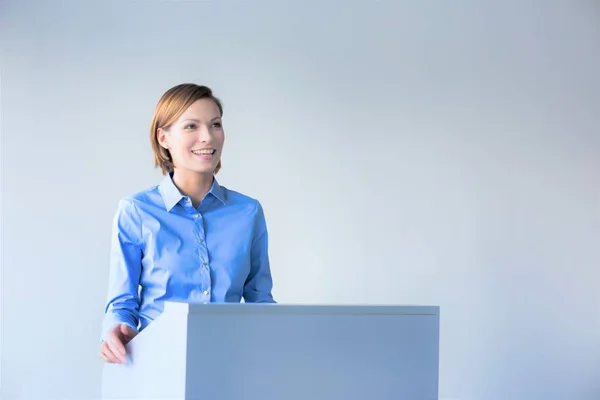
(196,139)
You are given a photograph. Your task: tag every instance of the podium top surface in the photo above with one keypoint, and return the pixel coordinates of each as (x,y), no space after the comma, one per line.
(291,309)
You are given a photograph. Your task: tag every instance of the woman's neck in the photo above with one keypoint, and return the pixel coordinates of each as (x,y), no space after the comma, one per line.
(193,184)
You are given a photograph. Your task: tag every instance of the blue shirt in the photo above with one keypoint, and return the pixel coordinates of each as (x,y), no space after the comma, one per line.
(165,249)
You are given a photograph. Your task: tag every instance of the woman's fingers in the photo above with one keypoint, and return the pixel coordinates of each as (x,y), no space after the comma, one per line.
(113,348)
(107,355)
(117,348)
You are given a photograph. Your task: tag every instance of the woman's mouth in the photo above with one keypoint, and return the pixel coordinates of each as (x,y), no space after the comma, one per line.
(205,154)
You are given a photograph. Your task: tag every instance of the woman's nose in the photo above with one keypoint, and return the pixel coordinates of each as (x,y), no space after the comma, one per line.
(204,133)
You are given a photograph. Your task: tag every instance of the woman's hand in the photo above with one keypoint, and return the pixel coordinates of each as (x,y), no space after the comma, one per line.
(112,349)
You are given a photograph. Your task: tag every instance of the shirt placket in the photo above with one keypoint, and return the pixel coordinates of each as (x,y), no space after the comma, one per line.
(205,282)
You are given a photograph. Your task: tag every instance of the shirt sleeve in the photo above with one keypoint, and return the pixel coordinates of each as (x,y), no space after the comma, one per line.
(125,268)
(259,284)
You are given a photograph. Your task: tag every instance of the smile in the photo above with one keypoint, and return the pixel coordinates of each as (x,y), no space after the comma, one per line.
(205,152)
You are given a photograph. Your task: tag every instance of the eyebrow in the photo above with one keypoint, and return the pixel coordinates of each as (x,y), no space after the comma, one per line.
(197,120)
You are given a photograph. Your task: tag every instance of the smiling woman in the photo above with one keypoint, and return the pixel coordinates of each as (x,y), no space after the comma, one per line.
(182,114)
(188,238)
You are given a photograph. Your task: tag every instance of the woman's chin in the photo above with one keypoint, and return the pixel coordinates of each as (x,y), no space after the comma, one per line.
(195,169)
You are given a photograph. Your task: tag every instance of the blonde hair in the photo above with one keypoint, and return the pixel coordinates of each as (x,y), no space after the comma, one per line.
(171,105)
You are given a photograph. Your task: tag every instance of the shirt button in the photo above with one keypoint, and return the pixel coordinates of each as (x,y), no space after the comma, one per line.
(206,292)
(204,263)
(201,240)
(196,215)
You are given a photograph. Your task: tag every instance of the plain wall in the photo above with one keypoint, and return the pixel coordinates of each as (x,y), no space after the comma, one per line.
(443,153)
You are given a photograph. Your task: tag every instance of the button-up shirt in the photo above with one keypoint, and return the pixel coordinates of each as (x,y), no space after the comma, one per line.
(165,249)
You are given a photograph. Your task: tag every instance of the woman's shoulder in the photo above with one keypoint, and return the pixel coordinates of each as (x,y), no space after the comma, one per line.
(140,199)
(244,202)
(234,197)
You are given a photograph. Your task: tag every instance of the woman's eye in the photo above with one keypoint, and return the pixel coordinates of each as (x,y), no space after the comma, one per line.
(190,126)
(217,125)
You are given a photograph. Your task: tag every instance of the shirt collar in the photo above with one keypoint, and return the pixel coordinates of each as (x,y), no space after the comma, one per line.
(171,194)
(218,191)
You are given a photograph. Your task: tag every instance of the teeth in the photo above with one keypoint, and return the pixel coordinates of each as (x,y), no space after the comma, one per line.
(204,151)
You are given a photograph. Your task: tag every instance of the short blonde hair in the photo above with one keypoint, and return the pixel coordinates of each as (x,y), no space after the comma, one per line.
(171,105)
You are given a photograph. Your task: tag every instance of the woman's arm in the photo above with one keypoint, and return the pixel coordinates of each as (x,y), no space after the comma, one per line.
(259,283)
(125,268)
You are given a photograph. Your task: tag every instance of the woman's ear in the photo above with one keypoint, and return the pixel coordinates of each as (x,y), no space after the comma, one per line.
(161,135)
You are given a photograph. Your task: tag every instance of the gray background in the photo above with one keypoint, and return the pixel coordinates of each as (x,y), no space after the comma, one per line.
(422,152)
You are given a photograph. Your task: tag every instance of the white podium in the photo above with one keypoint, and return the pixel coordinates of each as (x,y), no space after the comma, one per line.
(238,351)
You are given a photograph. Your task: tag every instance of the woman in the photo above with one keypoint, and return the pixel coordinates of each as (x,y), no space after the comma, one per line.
(187,239)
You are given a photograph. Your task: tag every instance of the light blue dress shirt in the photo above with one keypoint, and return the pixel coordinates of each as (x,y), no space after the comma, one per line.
(165,249)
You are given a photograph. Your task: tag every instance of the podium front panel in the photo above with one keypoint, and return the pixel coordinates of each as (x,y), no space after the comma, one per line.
(274,352)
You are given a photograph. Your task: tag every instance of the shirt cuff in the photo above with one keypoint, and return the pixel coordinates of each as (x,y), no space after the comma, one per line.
(113,319)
